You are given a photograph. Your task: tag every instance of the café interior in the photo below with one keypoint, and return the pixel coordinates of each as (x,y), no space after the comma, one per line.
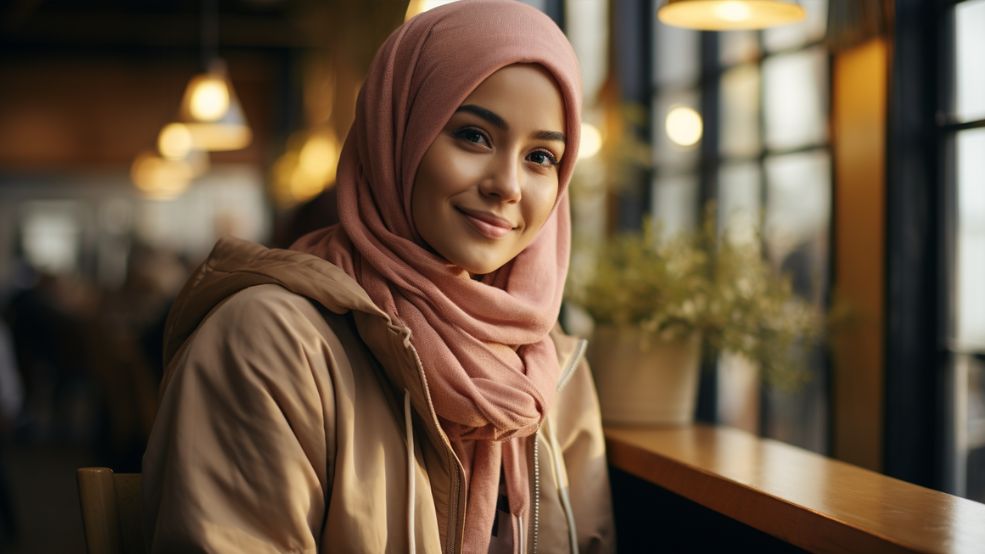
(820,174)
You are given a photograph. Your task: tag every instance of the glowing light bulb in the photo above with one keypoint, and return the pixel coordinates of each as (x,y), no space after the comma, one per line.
(175,141)
(319,156)
(733,11)
(684,126)
(591,141)
(210,98)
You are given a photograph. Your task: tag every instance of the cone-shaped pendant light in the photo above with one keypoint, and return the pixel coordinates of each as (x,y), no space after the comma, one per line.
(730,15)
(210,109)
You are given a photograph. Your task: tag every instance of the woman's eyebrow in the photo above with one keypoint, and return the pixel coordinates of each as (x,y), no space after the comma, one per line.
(494,119)
(488,115)
(550,135)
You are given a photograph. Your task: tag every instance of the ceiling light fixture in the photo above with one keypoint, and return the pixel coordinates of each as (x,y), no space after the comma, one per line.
(210,109)
(730,15)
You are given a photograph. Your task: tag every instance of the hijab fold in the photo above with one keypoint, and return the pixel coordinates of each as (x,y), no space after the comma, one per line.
(490,365)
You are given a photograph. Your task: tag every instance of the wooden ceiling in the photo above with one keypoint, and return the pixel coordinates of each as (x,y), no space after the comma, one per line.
(255,24)
(134,26)
(90,83)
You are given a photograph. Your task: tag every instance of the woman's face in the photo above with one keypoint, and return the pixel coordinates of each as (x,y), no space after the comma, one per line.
(488,182)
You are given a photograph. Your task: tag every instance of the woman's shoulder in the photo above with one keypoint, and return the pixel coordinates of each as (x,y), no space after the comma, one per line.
(271,312)
(265,325)
(267,310)
(263,298)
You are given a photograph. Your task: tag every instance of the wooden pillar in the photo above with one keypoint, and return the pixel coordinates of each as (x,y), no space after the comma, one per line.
(859,141)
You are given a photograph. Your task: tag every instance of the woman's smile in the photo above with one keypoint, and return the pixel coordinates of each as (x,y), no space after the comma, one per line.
(488,224)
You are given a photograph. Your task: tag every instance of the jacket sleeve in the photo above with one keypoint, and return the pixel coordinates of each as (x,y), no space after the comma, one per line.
(582,444)
(238,458)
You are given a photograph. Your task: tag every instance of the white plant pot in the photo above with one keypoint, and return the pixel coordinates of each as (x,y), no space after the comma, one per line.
(644,383)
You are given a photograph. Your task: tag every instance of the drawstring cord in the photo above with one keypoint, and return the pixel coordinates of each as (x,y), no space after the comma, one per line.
(562,489)
(411,493)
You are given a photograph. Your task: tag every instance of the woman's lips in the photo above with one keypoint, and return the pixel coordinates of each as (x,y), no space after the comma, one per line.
(489,225)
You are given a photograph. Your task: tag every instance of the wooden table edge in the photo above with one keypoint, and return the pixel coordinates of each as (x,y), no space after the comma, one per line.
(800,525)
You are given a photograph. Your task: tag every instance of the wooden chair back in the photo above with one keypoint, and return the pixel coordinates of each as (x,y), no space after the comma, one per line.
(111,511)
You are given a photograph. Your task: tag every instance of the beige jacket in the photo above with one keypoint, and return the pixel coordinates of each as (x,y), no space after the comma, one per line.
(279,431)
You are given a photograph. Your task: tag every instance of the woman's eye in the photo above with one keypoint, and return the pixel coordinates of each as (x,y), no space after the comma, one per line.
(543,157)
(472,135)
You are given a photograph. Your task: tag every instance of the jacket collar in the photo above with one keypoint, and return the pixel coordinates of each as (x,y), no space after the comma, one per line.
(234,265)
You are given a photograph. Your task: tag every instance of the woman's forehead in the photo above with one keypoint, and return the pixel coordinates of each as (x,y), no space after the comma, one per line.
(524,93)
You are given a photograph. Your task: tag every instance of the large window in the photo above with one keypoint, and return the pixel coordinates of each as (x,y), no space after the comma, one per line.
(760,149)
(963,136)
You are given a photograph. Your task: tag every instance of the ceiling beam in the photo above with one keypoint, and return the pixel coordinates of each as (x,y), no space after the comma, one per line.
(139,30)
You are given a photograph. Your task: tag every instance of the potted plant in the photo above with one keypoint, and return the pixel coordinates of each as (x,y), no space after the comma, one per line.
(657,302)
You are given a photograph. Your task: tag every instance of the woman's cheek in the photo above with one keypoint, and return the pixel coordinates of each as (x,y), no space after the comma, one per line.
(541,202)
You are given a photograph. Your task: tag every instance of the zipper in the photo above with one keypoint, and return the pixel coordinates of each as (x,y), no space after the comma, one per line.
(536,512)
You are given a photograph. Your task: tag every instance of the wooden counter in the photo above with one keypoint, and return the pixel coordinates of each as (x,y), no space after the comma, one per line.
(802,498)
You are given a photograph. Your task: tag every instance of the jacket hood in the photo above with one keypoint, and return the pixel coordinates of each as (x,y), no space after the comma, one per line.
(236,264)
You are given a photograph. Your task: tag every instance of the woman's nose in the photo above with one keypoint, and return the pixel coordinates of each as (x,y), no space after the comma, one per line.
(503,180)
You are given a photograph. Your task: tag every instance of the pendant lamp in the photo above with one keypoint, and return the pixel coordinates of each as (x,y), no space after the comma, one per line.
(211,112)
(210,109)
(730,15)
(162,178)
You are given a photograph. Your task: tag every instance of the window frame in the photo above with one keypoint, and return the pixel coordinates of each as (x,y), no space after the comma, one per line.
(710,160)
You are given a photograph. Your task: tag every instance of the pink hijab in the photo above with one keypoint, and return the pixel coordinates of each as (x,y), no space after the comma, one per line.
(490,366)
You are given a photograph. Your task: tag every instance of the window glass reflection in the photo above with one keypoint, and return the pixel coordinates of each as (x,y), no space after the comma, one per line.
(585,25)
(791,36)
(739,200)
(798,210)
(675,203)
(795,99)
(740,111)
(969,26)
(970,239)
(675,57)
(975,430)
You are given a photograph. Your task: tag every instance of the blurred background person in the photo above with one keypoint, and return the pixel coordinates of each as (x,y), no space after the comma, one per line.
(11,402)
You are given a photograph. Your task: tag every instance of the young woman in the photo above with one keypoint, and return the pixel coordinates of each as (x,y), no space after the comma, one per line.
(396,383)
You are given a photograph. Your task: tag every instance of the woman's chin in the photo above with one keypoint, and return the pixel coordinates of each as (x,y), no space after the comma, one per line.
(478,268)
